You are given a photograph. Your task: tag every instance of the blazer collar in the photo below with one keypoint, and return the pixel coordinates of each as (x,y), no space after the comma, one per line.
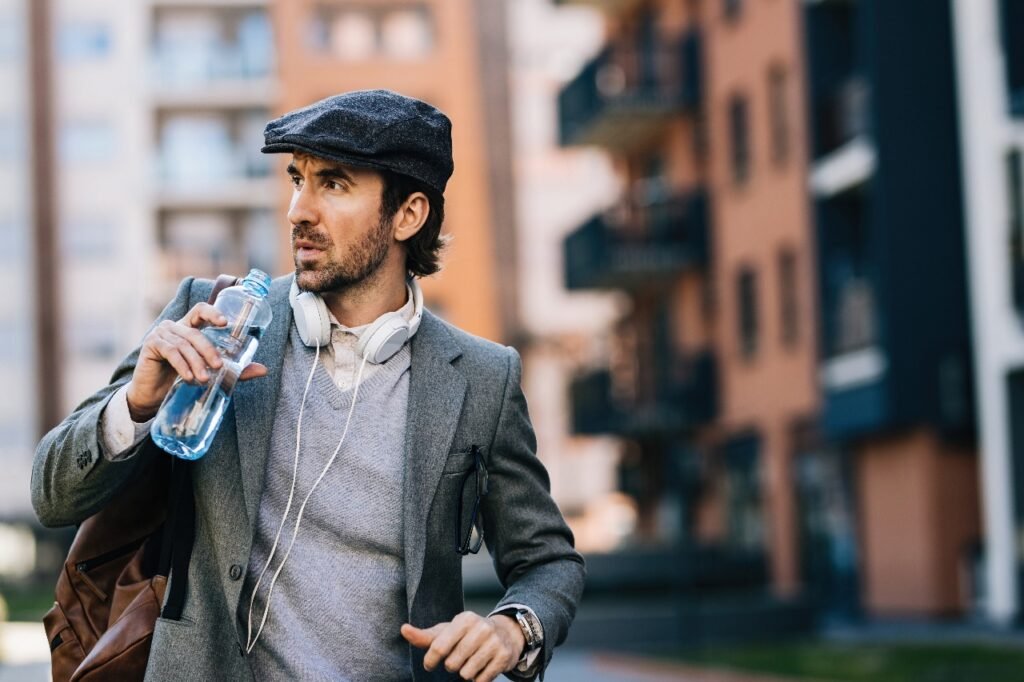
(436,393)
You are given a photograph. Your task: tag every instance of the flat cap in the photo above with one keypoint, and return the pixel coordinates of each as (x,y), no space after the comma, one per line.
(371,129)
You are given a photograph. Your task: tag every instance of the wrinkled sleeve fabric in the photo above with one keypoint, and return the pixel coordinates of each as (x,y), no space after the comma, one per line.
(119,433)
(530,544)
(71,477)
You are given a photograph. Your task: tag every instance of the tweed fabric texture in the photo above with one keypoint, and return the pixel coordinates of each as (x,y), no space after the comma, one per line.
(372,129)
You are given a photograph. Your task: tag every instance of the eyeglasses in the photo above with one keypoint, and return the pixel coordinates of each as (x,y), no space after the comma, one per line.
(468,540)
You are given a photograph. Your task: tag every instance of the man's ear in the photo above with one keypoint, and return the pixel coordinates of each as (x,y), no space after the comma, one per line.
(411,216)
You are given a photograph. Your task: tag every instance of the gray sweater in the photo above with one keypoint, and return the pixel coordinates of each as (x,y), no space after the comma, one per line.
(338,604)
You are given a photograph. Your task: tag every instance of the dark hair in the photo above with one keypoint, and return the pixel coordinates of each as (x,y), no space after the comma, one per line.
(423,250)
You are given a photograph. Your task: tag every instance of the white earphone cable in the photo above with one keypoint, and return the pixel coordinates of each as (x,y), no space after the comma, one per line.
(250,639)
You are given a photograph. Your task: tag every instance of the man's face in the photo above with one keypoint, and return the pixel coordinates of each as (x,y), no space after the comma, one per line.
(339,238)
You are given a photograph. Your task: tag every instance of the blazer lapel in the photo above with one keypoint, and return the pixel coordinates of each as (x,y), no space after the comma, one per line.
(256,400)
(436,392)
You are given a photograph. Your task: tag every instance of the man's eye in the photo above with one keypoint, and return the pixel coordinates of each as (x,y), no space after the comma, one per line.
(334,185)
(296,181)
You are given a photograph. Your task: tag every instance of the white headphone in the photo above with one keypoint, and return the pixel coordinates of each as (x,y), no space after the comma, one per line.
(377,344)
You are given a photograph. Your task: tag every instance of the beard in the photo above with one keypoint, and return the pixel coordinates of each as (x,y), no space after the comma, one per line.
(354,267)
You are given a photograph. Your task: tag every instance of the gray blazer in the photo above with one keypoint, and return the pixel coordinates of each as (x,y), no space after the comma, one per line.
(463,391)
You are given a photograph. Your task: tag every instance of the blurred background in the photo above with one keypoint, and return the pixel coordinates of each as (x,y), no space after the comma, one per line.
(763,259)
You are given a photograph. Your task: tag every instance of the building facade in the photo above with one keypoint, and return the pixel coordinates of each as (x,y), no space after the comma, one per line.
(990,66)
(896,372)
(792,378)
(711,379)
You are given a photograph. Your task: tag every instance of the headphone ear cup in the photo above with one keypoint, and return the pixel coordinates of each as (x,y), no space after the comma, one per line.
(312,320)
(383,338)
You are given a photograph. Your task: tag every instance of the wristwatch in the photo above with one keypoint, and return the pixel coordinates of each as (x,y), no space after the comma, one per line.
(533,632)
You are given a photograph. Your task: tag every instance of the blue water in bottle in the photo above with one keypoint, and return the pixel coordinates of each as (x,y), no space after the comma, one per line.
(192,412)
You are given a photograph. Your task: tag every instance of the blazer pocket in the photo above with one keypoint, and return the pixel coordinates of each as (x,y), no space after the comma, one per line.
(458,462)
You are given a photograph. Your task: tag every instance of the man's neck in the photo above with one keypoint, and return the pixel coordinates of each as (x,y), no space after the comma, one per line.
(361,304)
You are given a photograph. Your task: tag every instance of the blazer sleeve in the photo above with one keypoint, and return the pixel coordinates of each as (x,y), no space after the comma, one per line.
(71,479)
(529,541)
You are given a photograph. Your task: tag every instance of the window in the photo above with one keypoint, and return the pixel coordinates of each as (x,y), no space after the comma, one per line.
(732,8)
(12,37)
(93,339)
(788,300)
(83,41)
(366,32)
(406,33)
(1015,191)
(746,291)
(739,133)
(87,142)
(1012,23)
(86,239)
(779,113)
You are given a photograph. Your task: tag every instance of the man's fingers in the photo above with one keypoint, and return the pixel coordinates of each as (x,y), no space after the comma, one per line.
(204,312)
(466,648)
(197,363)
(476,663)
(446,641)
(491,672)
(197,340)
(421,638)
(174,358)
(254,371)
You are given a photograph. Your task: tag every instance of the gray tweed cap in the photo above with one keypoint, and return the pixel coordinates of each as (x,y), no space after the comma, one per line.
(370,129)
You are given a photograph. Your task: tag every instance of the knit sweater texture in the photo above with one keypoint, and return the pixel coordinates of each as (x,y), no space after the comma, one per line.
(340,600)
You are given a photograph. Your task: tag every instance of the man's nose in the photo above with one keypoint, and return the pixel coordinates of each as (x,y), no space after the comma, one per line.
(302,209)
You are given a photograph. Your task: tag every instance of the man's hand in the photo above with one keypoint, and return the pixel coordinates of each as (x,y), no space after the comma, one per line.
(477,648)
(174,349)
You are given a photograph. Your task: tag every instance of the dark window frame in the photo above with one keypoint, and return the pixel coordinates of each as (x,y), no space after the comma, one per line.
(747,317)
(779,114)
(740,146)
(789,297)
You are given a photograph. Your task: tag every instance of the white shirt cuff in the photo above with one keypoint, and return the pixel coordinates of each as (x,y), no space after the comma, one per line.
(118,433)
(526,667)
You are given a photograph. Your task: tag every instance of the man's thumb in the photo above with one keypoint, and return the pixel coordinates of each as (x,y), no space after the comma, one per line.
(420,638)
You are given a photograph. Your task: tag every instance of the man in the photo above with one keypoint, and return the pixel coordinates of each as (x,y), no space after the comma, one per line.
(369,586)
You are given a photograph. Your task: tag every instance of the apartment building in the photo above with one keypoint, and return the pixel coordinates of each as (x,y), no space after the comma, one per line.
(895,370)
(18,409)
(211,86)
(793,375)
(711,379)
(990,68)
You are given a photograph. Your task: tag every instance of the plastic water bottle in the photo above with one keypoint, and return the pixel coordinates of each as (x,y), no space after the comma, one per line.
(191,413)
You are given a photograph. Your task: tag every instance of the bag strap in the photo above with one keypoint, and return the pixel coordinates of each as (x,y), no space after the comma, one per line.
(180,528)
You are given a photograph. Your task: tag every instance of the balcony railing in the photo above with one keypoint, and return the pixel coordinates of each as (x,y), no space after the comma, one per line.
(684,398)
(625,95)
(841,115)
(636,244)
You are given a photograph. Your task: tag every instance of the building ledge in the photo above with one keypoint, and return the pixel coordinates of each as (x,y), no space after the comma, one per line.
(851,165)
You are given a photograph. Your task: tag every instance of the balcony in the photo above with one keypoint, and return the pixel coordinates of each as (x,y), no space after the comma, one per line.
(637,244)
(624,96)
(684,398)
(841,115)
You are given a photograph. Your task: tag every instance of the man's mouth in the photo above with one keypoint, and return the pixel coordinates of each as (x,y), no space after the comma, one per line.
(306,249)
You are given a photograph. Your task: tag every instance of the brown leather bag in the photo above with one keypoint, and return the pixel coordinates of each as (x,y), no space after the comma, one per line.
(109,594)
